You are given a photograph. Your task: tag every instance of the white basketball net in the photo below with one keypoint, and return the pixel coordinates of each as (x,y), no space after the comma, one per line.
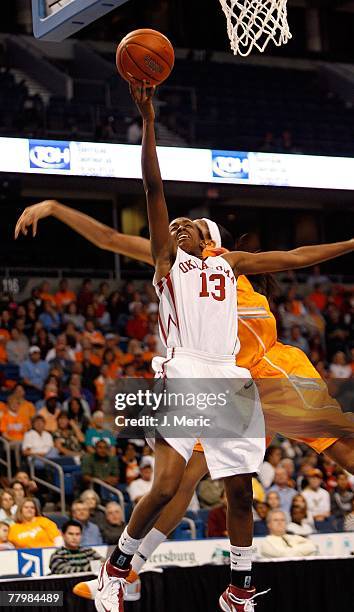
(254,23)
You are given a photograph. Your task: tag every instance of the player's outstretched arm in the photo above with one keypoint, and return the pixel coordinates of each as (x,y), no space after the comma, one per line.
(99,234)
(277,261)
(161,247)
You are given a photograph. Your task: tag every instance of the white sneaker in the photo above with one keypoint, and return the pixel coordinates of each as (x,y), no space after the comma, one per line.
(110,589)
(88,589)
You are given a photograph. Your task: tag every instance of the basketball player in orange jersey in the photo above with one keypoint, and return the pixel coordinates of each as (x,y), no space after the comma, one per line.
(179,240)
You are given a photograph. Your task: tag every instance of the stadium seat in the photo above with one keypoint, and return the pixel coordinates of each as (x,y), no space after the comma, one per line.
(58,519)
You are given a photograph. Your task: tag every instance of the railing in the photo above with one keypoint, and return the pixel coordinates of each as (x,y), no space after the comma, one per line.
(6,462)
(111,489)
(192,526)
(47,462)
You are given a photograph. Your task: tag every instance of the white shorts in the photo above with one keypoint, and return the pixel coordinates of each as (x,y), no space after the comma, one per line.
(240,454)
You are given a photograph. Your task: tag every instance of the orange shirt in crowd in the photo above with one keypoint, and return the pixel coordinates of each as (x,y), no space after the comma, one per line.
(319,299)
(39,533)
(14,426)
(47,297)
(51,423)
(27,410)
(94,358)
(5,334)
(63,298)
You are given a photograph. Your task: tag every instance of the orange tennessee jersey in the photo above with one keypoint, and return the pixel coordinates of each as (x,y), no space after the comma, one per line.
(257,330)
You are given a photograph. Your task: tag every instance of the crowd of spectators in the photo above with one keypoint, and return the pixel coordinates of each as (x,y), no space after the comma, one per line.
(60,353)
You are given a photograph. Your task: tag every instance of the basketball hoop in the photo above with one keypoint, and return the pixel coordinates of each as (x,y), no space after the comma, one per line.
(254,23)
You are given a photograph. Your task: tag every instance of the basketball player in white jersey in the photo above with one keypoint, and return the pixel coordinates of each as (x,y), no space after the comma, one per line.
(199,327)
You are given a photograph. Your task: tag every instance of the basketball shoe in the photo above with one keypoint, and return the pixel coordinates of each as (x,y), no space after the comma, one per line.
(110,588)
(235,599)
(88,589)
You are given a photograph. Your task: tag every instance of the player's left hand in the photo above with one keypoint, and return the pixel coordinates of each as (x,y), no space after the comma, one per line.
(142,96)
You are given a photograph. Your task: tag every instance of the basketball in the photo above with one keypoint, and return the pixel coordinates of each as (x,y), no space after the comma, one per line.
(145,55)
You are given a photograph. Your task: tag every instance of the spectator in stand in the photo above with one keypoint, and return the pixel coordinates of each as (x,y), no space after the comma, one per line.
(339,368)
(297,339)
(85,295)
(342,496)
(272,458)
(90,533)
(281,487)
(273,500)
(50,411)
(64,296)
(76,413)
(318,297)
(113,524)
(43,341)
(260,514)
(19,492)
(73,316)
(336,331)
(37,441)
(139,487)
(34,370)
(50,318)
(92,500)
(73,557)
(280,544)
(100,464)
(25,408)
(29,485)
(209,492)
(305,469)
(7,506)
(217,519)
(349,519)
(62,359)
(300,502)
(45,293)
(128,464)
(299,523)
(137,326)
(31,530)
(76,391)
(4,536)
(317,499)
(134,131)
(68,438)
(17,347)
(97,432)
(13,425)
(289,465)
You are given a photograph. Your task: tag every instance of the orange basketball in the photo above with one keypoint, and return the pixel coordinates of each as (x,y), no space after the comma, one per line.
(145,55)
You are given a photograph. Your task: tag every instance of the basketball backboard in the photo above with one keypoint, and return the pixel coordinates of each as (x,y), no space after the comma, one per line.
(55,20)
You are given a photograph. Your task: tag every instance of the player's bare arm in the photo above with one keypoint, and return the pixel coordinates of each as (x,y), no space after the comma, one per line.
(162,247)
(96,232)
(278,261)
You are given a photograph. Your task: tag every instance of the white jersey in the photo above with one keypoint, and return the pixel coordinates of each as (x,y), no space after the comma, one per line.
(197,305)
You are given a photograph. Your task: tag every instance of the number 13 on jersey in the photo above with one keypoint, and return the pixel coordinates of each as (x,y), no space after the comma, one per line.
(216,284)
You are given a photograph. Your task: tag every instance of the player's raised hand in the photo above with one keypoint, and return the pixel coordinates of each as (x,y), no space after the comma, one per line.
(31,215)
(142,96)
